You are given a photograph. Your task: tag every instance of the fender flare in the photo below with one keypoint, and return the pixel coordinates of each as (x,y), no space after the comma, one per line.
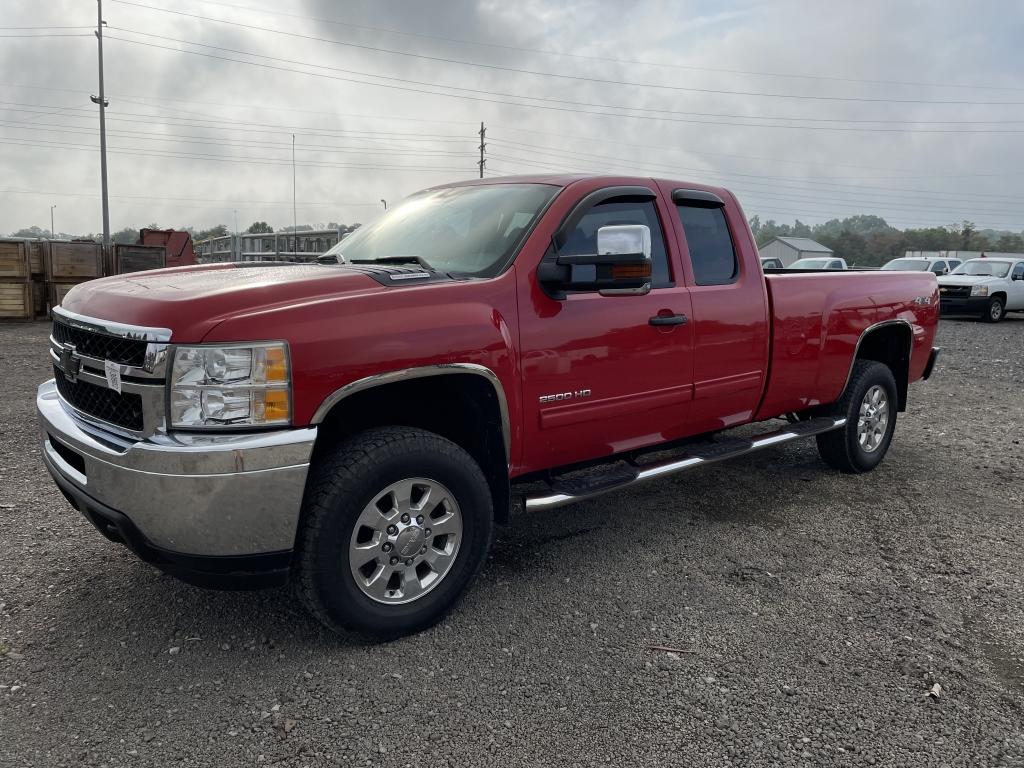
(421,372)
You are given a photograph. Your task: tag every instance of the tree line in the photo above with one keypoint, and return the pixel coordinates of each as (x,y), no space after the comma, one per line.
(869,241)
(130,235)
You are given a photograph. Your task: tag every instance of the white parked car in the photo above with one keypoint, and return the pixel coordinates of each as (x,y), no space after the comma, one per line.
(986,288)
(923,264)
(828,262)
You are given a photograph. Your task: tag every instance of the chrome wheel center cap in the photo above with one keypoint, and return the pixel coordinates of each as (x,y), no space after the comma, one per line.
(410,541)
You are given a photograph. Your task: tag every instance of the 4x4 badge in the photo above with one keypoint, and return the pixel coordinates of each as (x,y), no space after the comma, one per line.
(70,362)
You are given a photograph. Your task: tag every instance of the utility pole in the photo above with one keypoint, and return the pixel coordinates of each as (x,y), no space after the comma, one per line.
(295,217)
(101,100)
(483,145)
(53,232)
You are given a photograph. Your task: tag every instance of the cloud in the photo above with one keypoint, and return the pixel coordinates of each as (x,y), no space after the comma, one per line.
(195,137)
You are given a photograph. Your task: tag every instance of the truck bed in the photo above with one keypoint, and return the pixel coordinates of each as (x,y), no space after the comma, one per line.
(817,319)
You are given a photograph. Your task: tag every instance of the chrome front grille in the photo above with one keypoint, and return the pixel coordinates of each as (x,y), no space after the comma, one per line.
(100,345)
(82,347)
(122,410)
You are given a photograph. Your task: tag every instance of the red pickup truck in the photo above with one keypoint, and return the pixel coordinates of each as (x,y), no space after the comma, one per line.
(359,427)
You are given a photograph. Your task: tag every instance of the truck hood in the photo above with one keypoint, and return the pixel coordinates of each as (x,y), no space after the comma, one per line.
(190,301)
(967,279)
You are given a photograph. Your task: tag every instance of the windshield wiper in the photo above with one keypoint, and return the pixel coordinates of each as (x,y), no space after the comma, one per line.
(395,260)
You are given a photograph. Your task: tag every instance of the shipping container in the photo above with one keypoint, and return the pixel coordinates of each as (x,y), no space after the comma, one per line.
(178,243)
(73,260)
(137,258)
(14,263)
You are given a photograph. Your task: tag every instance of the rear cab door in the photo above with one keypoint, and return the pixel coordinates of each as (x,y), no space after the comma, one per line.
(729,300)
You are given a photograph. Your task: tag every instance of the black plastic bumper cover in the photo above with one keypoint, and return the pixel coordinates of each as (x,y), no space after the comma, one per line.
(230,572)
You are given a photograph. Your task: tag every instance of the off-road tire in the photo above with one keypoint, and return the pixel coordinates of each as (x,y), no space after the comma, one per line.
(841,448)
(343,481)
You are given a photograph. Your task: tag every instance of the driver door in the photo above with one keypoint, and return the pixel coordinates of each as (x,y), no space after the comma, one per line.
(604,374)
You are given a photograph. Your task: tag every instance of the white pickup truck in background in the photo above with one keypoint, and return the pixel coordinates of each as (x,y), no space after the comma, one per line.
(986,288)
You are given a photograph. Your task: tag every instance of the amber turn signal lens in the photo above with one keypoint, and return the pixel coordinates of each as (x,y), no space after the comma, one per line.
(631,271)
(277,364)
(275,405)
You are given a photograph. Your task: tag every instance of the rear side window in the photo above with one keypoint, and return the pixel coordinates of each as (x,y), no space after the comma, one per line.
(711,250)
(583,239)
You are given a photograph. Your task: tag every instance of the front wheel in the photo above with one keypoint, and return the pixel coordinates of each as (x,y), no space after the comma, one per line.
(995,311)
(396,523)
(869,405)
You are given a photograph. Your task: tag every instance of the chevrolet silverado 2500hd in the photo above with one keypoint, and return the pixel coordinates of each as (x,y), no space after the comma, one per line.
(359,427)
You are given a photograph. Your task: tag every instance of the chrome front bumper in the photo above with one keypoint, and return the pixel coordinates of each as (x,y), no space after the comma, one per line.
(195,495)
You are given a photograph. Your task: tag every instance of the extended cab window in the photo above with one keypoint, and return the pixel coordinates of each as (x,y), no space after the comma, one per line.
(1018,271)
(711,250)
(583,239)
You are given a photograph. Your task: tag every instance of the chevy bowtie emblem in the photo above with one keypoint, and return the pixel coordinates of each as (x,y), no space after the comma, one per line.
(70,362)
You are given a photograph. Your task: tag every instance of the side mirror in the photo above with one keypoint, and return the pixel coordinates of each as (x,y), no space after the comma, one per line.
(621,266)
(1018,276)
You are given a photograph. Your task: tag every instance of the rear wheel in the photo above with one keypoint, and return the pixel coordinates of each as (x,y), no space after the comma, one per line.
(995,311)
(869,405)
(397,522)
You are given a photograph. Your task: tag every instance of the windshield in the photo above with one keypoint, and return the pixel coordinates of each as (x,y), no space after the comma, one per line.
(983,267)
(809,264)
(908,265)
(464,231)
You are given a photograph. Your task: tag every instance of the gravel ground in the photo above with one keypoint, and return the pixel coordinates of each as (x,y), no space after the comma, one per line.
(813,612)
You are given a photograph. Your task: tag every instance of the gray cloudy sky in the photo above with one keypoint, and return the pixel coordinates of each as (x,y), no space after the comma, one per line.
(912,110)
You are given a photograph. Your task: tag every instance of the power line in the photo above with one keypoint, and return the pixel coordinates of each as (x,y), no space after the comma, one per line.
(547,106)
(558,152)
(189,199)
(42,144)
(548,74)
(518,70)
(205,140)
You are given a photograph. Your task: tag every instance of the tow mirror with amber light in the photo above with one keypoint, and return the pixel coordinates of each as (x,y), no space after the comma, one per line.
(621,266)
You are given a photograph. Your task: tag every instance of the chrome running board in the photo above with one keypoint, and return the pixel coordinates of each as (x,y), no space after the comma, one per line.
(560,494)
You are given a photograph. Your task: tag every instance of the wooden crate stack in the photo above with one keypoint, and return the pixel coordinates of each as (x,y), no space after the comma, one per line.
(136,258)
(70,262)
(15,285)
(36,258)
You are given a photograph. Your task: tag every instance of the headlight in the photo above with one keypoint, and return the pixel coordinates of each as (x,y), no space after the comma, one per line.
(979,290)
(238,385)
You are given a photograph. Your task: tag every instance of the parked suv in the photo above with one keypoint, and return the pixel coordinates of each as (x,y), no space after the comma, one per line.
(986,288)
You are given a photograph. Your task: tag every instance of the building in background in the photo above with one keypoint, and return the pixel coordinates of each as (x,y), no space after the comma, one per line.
(789,249)
(304,245)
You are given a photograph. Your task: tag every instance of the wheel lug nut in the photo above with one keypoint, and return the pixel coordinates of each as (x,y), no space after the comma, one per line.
(392,530)
(408,562)
(394,561)
(424,550)
(405,518)
(427,532)
(387,546)
(419,519)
